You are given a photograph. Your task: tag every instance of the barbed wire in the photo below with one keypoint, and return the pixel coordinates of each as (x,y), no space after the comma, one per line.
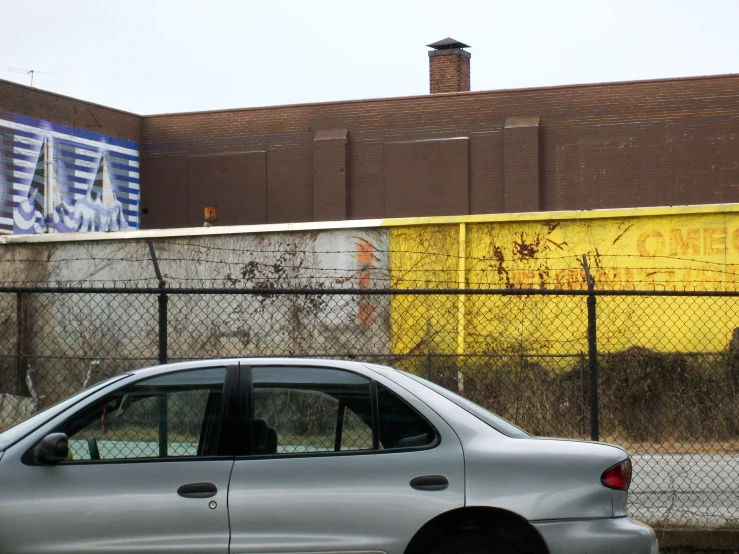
(527,259)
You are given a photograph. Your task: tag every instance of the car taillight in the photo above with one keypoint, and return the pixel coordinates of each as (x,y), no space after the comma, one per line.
(618,477)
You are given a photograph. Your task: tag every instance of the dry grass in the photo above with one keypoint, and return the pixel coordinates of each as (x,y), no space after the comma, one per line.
(674,447)
(650,402)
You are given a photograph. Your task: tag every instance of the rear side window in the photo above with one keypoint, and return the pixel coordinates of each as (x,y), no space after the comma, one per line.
(400,426)
(301,410)
(489,418)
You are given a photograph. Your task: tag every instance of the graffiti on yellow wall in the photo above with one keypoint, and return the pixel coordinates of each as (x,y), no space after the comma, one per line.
(667,249)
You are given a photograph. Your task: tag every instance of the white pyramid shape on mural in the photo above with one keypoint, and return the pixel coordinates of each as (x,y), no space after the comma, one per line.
(28,215)
(100,210)
(39,181)
(102,188)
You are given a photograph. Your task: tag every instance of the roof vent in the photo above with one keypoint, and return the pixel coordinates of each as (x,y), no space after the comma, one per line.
(448,44)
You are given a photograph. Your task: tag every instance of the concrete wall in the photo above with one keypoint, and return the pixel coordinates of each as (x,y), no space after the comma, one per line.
(672,249)
(695,248)
(121,332)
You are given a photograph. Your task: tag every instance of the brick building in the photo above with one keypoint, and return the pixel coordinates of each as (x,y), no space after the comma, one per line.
(452,152)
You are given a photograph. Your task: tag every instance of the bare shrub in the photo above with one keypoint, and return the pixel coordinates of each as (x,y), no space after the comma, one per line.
(656,396)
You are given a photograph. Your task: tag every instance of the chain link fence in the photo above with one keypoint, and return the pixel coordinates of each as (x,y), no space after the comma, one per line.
(656,373)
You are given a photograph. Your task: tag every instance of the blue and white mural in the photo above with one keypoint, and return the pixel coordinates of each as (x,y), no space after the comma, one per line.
(57,179)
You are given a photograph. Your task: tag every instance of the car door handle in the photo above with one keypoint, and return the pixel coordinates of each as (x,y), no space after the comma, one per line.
(197,490)
(430,483)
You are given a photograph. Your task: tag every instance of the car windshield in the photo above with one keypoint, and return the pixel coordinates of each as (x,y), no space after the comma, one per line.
(494,421)
(17,432)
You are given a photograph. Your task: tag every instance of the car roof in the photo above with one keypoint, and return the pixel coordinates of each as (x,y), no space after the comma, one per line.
(350,365)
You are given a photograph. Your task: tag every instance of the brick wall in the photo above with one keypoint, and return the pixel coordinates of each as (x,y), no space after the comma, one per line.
(426,178)
(614,145)
(449,71)
(236,183)
(330,175)
(521,164)
(39,104)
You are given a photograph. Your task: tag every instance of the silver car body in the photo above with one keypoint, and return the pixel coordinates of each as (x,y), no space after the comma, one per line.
(314,504)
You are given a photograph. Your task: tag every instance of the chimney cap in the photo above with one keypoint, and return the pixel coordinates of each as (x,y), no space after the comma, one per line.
(448,44)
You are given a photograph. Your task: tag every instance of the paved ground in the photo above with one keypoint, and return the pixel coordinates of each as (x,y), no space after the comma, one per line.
(694,489)
(694,551)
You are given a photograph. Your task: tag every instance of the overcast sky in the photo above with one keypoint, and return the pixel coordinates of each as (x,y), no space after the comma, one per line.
(158,56)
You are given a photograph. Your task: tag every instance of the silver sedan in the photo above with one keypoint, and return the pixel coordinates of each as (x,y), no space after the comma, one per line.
(301,456)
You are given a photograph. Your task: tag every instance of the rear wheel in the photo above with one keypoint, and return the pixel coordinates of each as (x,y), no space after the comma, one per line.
(475,543)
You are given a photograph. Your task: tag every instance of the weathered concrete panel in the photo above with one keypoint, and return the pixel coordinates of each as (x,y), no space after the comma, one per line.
(75,338)
(669,252)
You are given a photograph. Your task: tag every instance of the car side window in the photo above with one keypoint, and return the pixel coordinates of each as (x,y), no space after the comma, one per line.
(400,426)
(307,409)
(173,415)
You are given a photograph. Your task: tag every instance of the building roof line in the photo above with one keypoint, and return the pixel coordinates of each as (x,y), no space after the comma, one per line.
(449,94)
(383,99)
(50,93)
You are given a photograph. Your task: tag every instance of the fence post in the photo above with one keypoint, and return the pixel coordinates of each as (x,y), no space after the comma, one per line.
(461,304)
(583,426)
(163,425)
(21,387)
(163,301)
(592,356)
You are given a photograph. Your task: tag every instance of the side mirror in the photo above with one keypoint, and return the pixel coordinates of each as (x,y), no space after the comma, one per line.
(52,449)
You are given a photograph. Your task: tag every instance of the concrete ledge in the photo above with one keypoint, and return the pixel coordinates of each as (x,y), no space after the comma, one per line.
(698,540)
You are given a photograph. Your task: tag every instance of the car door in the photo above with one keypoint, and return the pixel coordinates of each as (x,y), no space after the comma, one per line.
(333,456)
(145,473)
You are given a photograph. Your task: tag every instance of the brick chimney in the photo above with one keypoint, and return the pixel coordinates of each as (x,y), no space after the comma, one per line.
(449,66)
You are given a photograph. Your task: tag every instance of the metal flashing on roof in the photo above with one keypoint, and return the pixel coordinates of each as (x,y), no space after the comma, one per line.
(191,231)
(332,134)
(609,213)
(427,140)
(448,44)
(528,121)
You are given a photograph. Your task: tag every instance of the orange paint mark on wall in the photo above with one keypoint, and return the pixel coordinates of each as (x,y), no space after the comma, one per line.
(365,257)
(687,245)
(365,252)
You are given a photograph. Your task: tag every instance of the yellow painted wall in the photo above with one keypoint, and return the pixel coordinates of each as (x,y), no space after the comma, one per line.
(694,249)
(424,257)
